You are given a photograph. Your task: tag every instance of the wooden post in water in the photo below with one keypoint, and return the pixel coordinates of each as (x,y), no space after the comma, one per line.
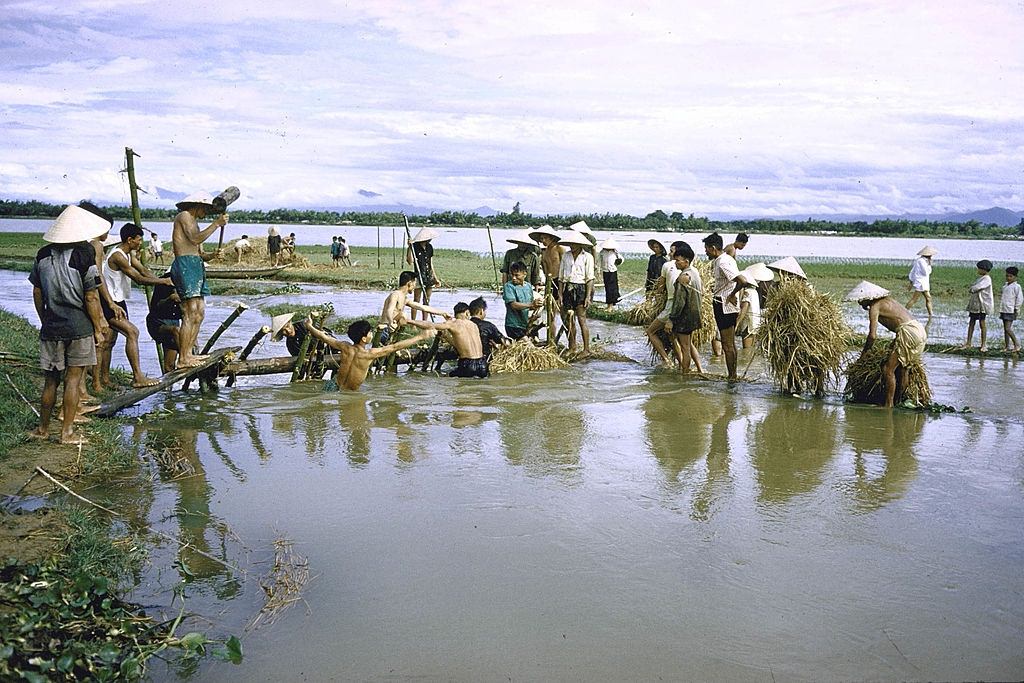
(494,260)
(549,306)
(300,360)
(256,338)
(133,189)
(239,310)
(394,249)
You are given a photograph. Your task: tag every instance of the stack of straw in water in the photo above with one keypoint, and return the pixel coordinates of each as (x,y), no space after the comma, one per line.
(802,337)
(866,384)
(524,356)
(653,304)
(703,336)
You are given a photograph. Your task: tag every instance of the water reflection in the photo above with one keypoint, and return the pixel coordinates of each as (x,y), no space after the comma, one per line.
(354,429)
(884,462)
(791,445)
(544,439)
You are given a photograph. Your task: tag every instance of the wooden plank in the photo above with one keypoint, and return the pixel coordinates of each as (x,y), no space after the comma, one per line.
(130,398)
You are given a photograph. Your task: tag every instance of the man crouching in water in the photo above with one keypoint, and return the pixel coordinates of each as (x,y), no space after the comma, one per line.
(464,335)
(355,360)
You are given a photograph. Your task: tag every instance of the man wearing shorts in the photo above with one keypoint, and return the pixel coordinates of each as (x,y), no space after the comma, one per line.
(727,280)
(163,322)
(576,285)
(188,270)
(65,281)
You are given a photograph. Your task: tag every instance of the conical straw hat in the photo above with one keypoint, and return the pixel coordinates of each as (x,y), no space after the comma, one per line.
(928,251)
(425,235)
(789,265)
(522,238)
(757,272)
(610,244)
(278,322)
(196,199)
(75,224)
(866,291)
(652,242)
(580,226)
(572,237)
(544,230)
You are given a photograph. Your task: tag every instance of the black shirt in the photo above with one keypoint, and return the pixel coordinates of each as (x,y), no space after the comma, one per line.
(654,264)
(490,335)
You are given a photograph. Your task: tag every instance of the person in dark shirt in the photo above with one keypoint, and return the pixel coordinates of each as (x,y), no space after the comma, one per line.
(293,331)
(420,255)
(163,322)
(490,335)
(654,263)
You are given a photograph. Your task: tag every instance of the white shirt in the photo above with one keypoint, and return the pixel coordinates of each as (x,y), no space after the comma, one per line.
(753,320)
(608,258)
(118,284)
(670,273)
(981,296)
(919,274)
(156,245)
(242,244)
(577,271)
(725,270)
(1011,299)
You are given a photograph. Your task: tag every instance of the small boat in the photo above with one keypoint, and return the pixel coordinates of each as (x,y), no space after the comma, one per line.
(242,273)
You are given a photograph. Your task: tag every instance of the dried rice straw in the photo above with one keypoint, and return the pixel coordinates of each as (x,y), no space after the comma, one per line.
(283,586)
(865,382)
(653,304)
(524,356)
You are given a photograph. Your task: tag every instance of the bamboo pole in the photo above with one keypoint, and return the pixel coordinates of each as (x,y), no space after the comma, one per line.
(300,360)
(394,249)
(378,247)
(494,260)
(549,307)
(256,338)
(133,189)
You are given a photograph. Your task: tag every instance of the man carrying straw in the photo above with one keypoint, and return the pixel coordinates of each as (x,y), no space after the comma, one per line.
(910,334)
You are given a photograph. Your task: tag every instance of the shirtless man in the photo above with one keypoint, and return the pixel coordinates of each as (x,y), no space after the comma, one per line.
(355,358)
(188,270)
(393,315)
(738,245)
(464,336)
(120,268)
(910,334)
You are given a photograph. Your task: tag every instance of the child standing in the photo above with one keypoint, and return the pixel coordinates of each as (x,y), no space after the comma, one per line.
(335,251)
(980,303)
(1010,301)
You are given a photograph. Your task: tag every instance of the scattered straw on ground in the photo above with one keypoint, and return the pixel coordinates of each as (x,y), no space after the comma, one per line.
(865,382)
(283,586)
(524,356)
(802,337)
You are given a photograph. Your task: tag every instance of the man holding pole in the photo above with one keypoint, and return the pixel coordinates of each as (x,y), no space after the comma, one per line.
(420,256)
(188,270)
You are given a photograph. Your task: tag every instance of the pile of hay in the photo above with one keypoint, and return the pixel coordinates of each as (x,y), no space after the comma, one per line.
(802,337)
(524,356)
(258,256)
(653,304)
(864,382)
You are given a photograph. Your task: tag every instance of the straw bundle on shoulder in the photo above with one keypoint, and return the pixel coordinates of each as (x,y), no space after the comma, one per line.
(802,337)
(703,336)
(524,356)
(865,383)
(653,304)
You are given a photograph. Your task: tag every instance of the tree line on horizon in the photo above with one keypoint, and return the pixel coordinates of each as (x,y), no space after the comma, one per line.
(656,221)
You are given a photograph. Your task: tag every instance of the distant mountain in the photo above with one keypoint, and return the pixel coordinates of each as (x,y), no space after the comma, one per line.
(995,215)
(485,211)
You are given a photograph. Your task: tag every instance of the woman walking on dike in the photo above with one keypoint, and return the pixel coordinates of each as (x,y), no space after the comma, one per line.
(919,276)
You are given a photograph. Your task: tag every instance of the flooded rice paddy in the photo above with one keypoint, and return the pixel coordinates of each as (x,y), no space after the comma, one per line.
(604,522)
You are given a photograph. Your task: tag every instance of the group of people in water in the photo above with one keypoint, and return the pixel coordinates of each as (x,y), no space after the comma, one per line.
(80,294)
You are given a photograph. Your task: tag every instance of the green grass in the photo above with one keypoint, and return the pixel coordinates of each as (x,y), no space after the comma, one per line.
(19,344)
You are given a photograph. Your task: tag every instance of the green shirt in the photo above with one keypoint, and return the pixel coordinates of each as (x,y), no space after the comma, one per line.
(523,294)
(529,258)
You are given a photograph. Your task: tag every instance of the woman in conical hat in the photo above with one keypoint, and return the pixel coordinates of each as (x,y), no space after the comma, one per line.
(920,279)
(420,255)
(749,300)
(788,267)
(610,260)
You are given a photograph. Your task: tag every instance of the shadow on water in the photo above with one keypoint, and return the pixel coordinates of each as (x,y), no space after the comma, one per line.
(883,444)
(791,445)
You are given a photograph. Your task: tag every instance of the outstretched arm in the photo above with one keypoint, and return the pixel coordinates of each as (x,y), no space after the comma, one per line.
(320,335)
(428,309)
(382,351)
(132,272)
(872,328)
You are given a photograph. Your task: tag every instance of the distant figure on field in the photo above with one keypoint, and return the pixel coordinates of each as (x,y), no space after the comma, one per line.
(188,270)
(655,262)
(335,252)
(525,252)
(420,255)
(1010,301)
(156,248)
(64,281)
(274,245)
(980,303)
(346,253)
(910,340)
(920,274)
(464,336)
(610,262)
(242,246)
(355,359)
(288,245)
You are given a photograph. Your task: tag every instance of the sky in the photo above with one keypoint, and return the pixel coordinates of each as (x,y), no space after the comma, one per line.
(714,108)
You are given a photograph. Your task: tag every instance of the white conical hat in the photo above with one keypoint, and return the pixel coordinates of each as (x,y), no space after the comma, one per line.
(609,243)
(272,230)
(928,251)
(789,265)
(278,322)
(522,238)
(757,272)
(572,237)
(196,199)
(544,230)
(75,224)
(580,226)
(425,235)
(866,291)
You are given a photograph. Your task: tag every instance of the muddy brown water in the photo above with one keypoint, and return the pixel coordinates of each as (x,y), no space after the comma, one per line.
(604,522)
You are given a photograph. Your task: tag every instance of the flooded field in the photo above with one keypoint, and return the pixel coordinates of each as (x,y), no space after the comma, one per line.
(604,522)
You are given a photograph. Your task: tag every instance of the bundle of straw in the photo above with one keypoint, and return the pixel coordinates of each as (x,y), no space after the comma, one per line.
(653,304)
(866,384)
(703,336)
(802,337)
(524,356)
(258,255)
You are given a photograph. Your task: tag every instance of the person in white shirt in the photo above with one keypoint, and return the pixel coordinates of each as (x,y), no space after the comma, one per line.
(920,274)
(242,247)
(1010,301)
(576,287)
(157,247)
(727,280)
(610,262)
(980,303)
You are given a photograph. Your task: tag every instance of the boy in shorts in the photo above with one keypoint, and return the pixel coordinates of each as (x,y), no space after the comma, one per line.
(980,303)
(1010,301)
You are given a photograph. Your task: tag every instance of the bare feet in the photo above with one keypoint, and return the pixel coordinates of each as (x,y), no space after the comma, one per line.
(36,434)
(145,382)
(192,362)
(75,438)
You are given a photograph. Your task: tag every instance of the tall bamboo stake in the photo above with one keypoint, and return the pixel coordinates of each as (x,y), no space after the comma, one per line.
(494,260)
(133,189)
(549,307)
(394,249)
(256,338)
(300,360)
(378,247)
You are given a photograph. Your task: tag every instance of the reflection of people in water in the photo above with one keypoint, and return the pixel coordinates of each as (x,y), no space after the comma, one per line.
(542,438)
(791,446)
(893,436)
(354,428)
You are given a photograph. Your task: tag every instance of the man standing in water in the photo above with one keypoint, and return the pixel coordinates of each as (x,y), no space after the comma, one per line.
(188,270)
(464,336)
(727,281)
(355,358)
(910,334)
(576,282)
